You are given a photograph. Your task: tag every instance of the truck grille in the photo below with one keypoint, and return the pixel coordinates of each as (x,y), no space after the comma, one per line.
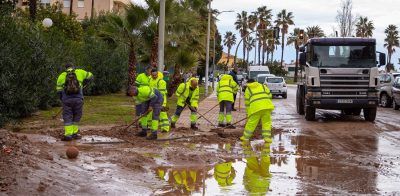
(344,86)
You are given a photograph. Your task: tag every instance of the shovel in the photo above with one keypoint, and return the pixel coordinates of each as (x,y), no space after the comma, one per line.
(137,119)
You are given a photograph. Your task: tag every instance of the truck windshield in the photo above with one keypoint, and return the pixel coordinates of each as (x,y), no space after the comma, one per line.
(343,56)
(253,74)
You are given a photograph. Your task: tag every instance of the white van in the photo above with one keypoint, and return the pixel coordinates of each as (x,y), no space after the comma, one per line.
(255,70)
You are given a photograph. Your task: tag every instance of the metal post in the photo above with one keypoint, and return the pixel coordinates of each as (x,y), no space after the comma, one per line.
(161,31)
(208,46)
(213,79)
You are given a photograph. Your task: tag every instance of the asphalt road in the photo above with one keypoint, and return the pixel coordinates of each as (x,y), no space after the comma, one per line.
(336,154)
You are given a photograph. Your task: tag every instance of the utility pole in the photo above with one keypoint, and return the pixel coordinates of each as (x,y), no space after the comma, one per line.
(208,46)
(213,79)
(161,32)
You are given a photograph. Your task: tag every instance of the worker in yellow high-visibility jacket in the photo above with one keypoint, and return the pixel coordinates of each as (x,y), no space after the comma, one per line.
(258,107)
(188,94)
(226,88)
(157,82)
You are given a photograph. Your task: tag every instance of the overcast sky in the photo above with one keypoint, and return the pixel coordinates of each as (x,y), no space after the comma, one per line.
(312,12)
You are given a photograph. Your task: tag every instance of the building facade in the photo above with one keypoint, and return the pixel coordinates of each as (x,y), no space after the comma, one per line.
(83,8)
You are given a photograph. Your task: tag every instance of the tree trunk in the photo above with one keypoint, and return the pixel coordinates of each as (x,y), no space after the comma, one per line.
(227,60)
(259,50)
(154,52)
(283,48)
(296,66)
(32,9)
(175,81)
(388,65)
(263,52)
(92,11)
(247,60)
(70,7)
(244,51)
(267,56)
(132,67)
(272,56)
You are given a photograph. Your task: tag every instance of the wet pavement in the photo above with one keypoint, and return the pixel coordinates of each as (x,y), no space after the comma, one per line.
(336,154)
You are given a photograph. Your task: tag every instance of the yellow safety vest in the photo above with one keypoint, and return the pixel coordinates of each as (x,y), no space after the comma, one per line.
(257,97)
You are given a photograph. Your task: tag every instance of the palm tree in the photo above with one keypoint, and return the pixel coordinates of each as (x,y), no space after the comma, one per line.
(229,41)
(391,42)
(284,19)
(293,39)
(314,31)
(364,27)
(242,25)
(250,44)
(263,16)
(124,29)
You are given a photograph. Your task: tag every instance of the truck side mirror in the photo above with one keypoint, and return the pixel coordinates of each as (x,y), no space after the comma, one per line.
(382,59)
(303,58)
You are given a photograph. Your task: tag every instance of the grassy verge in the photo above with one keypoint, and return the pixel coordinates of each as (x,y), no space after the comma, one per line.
(99,110)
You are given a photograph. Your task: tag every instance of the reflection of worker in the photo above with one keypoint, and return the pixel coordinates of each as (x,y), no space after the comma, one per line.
(224,173)
(256,178)
(185,179)
(258,107)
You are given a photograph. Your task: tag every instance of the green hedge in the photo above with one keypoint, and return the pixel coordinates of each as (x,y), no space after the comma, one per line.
(32,58)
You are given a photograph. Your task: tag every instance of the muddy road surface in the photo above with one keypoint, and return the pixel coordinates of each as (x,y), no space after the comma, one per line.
(336,154)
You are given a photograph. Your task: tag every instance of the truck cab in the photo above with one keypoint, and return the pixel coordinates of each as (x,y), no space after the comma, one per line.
(340,74)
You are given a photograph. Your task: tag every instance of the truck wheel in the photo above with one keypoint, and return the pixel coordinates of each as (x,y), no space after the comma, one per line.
(369,114)
(395,106)
(356,112)
(284,96)
(299,101)
(310,113)
(385,100)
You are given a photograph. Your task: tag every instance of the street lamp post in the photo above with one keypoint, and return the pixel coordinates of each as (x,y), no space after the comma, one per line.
(208,46)
(215,39)
(161,32)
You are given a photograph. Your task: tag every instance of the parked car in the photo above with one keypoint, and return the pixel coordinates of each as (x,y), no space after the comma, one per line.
(385,89)
(261,77)
(396,93)
(277,86)
(240,78)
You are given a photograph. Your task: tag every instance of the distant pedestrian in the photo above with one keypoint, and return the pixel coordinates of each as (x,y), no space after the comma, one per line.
(234,73)
(70,84)
(258,107)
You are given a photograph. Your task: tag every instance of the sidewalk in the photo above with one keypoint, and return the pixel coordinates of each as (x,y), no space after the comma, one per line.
(207,104)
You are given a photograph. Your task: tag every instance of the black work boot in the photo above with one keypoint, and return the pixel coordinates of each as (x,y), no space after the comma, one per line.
(173,125)
(66,138)
(152,136)
(230,126)
(221,125)
(194,127)
(142,133)
(76,136)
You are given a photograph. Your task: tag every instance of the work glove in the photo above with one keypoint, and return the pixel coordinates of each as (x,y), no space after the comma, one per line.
(60,95)
(165,109)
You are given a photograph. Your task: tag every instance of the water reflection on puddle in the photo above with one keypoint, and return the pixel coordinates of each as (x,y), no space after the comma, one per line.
(252,174)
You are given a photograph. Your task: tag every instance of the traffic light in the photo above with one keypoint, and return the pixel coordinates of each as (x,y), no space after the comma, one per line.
(301,34)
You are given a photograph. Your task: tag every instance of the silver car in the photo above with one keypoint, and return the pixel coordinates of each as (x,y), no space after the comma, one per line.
(385,88)
(277,86)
